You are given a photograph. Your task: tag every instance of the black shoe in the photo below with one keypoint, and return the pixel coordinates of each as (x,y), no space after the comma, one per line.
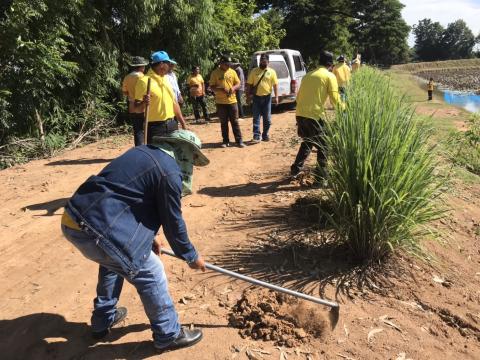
(186,338)
(120,315)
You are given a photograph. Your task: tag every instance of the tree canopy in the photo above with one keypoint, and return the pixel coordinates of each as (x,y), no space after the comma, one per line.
(374,28)
(434,42)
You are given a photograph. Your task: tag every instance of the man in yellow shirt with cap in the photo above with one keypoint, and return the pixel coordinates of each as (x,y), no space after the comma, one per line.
(260,82)
(316,86)
(163,107)
(136,114)
(224,82)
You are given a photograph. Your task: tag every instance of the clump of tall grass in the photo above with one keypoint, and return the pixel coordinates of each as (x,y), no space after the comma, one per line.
(382,171)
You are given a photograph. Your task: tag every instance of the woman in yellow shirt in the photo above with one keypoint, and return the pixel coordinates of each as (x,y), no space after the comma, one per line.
(196,87)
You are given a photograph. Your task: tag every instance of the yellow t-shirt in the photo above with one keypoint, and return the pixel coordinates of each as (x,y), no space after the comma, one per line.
(265,86)
(316,86)
(128,84)
(356,65)
(195,83)
(162,97)
(68,221)
(226,80)
(342,73)
(430,85)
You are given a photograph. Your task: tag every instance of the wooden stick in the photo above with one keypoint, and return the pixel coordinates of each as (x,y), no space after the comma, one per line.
(145,122)
(40,127)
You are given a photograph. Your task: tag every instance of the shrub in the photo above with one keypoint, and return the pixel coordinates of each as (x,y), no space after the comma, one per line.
(382,171)
(464,146)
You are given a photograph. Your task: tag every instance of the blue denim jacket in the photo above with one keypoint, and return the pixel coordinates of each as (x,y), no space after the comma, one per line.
(124,206)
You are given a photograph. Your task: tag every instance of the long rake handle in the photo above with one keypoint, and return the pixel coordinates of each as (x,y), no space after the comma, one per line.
(262,283)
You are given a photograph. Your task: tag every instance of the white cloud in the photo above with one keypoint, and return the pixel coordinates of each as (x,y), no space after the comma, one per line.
(443,11)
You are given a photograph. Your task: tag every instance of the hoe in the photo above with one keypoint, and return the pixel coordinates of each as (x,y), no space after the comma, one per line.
(333,315)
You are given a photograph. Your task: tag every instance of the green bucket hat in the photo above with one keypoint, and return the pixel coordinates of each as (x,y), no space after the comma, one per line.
(137,61)
(185,137)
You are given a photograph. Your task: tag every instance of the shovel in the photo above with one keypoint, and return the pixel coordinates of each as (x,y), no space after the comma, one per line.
(333,315)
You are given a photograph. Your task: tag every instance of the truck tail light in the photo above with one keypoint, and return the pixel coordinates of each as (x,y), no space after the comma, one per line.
(293,86)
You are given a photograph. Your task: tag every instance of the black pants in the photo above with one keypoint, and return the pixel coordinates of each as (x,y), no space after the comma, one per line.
(313,135)
(197,102)
(430,94)
(161,128)
(229,113)
(137,120)
(239,95)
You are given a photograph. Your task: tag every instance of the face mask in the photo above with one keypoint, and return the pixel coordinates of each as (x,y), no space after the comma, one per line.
(184,157)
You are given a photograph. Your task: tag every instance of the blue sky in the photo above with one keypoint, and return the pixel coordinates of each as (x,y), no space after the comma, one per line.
(443,11)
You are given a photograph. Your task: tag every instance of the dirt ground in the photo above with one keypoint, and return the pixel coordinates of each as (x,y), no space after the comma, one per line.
(244,215)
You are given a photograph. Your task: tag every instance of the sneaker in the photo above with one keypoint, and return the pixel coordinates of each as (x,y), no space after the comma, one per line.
(241,144)
(185,339)
(120,315)
(225,145)
(255,140)
(266,138)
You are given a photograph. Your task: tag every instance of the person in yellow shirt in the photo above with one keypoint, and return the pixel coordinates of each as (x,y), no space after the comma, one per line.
(196,88)
(430,86)
(342,73)
(135,113)
(164,110)
(260,82)
(316,86)
(356,63)
(224,82)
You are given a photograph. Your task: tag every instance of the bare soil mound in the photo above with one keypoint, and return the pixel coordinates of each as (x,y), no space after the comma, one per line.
(265,315)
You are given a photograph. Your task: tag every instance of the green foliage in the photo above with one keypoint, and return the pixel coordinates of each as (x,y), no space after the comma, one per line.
(464,146)
(382,171)
(373,28)
(313,26)
(379,32)
(434,42)
(241,32)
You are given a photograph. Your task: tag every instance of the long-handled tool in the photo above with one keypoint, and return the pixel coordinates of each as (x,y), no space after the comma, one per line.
(145,121)
(333,315)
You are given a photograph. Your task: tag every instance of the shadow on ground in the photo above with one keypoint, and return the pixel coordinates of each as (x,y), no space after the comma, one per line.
(49,206)
(293,247)
(249,189)
(78,162)
(50,336)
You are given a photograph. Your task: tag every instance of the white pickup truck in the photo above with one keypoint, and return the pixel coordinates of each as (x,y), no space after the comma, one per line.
(290,70)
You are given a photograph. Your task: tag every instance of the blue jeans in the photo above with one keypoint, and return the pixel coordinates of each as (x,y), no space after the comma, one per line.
(239,95)
(150,282)
(262,106)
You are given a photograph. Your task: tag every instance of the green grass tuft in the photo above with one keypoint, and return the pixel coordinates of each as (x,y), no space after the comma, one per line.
(383,181)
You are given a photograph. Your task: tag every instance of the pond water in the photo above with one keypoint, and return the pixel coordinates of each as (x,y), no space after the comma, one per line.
(468,101)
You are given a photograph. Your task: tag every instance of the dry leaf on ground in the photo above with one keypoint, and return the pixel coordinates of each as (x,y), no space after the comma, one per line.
(372,333)
(386,320)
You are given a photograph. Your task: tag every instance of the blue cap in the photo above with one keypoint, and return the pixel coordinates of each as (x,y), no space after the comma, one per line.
(159,56)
